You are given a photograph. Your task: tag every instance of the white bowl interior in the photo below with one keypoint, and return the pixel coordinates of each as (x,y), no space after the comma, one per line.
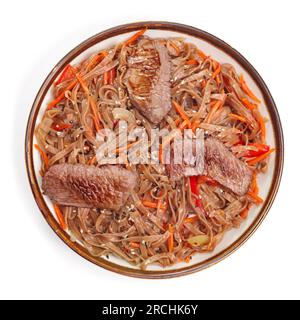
(264,180)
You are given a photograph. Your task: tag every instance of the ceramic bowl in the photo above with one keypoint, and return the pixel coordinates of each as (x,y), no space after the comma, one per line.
(221,51)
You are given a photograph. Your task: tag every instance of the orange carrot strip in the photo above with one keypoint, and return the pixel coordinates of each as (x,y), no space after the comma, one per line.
(171,238)
(237,117)
(192,62)
(195,124)
(182,113)
(188,259)
(217,71)
(203,84)
(260,158)
(244,213)
(96,59)
(202,55)
(106,77)
(60,216)
(191,219)
(54,102)
(248,104)
(257,199)
(118,150)
(177,121)
(262,125)
(247,90)
(92,161)
(213,110)
(253,185)
(153,205)
(135,245)
(43,155)
(134,37)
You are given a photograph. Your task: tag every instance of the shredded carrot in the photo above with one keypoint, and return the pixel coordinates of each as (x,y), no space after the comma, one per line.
(60,216)
(262,125)
(92,102)
(254,186)
(188,259)
(237,117)
(171,238)
(92,160)
(213,110)
(43,155)
(248,104)
(260,158)
(96,59)
(135,245)
(183,125)
(135,37)
(118,150)
(182,113)
(177,121)
(217,71)
(54,102)
(154,205)
(247,90)
(244,213)
(257,199)
(203,84)
(191,219)
(106,77)
(202,55)
(218,80)
(192,62)
(195,124)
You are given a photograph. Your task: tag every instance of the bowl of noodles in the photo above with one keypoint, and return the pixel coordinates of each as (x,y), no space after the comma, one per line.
(155,217)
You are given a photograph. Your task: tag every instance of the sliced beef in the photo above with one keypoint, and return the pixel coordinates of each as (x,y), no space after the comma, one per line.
(88,186)
(148,79)
(221,165)
(190,162)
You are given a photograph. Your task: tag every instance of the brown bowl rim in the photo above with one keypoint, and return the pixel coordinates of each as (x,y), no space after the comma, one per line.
(185,29)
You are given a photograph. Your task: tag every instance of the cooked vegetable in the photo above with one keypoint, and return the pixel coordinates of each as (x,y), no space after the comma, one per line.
(182,113)
(260,149)
(60,216)
(247,90)
(65,75)
(261,157)
(171,238)
(135,37)
(198,241)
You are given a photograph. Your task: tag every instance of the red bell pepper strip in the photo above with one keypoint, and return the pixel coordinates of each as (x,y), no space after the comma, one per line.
(67,73)
(261,149)
(60,126)
(194,190)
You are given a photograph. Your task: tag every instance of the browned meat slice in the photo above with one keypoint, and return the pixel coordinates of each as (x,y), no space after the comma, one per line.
(221,165)
(148,79)
(88,186)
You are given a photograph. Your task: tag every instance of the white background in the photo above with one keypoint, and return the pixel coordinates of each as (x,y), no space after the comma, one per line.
(34,262)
